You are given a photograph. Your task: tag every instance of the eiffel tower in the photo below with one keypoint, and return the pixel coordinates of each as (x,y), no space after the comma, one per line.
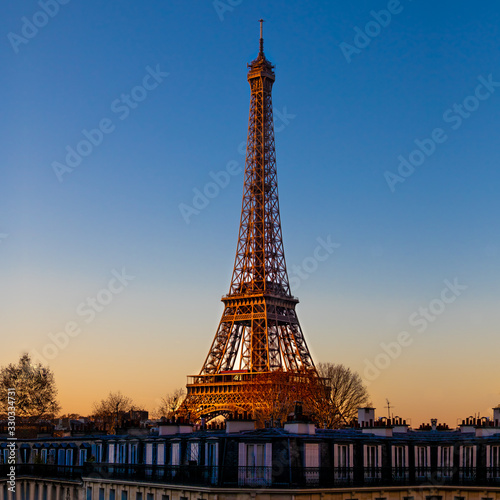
(259,331)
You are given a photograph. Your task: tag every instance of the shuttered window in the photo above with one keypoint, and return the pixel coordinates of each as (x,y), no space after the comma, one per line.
(311,455)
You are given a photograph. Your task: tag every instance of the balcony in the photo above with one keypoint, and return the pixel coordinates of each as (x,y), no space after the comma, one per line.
(266,477)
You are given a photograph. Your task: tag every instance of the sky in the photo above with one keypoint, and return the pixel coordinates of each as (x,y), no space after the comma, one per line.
(122,131)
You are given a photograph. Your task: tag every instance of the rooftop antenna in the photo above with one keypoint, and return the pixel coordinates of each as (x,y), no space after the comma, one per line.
(261,41)
(388,408)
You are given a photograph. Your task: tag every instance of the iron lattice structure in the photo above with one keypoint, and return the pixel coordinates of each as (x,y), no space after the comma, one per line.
(259,331)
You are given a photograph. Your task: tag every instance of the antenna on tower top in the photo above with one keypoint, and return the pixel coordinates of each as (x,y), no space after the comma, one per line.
(261,41)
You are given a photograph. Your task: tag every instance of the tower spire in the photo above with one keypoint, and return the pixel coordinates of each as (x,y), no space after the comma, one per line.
(261,41)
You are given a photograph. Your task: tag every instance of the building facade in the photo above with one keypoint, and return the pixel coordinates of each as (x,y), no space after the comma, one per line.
(375,459)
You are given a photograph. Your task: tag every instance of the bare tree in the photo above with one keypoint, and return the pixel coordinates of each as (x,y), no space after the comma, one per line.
(110,411)
(35,389)
(344,394)
(273,395)
(170,403)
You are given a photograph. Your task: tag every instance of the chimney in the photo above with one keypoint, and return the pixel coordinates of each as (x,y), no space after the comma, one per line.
(366,417)
(496,416)
(297,412)
(434,422)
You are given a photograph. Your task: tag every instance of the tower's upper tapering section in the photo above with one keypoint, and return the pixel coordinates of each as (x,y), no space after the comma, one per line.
(260,261)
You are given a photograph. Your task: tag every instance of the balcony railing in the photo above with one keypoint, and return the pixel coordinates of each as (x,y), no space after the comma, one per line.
(172,474)
(45,470)
(266,477)
(493,474)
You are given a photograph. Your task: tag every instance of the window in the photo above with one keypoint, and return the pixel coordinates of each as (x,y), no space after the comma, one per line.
(165,497)
(255,455)
(344,456)
(211,459)
(138,496)
(468,462)
(83,456)
(468,456)
(445,461)
(150,496)
(24,455)
(176,457)
(211,454)
(97,452)
(161,454)
(495,456)
(493,461)
(194,450)
(422,461)
(446,456)
(399,462)
(124,495)
(89,493)
(421,456)
(122,453)
(101,493)
(399,456)
(371,456)
(342,461)
(111,494)
(311,455)
(254,461)
(311,462)
(372,459)
(133,454)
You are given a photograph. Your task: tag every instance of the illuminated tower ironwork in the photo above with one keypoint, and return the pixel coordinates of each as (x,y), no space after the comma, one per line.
(259,331)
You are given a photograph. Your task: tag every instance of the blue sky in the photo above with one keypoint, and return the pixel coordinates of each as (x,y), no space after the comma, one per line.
(342,122)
